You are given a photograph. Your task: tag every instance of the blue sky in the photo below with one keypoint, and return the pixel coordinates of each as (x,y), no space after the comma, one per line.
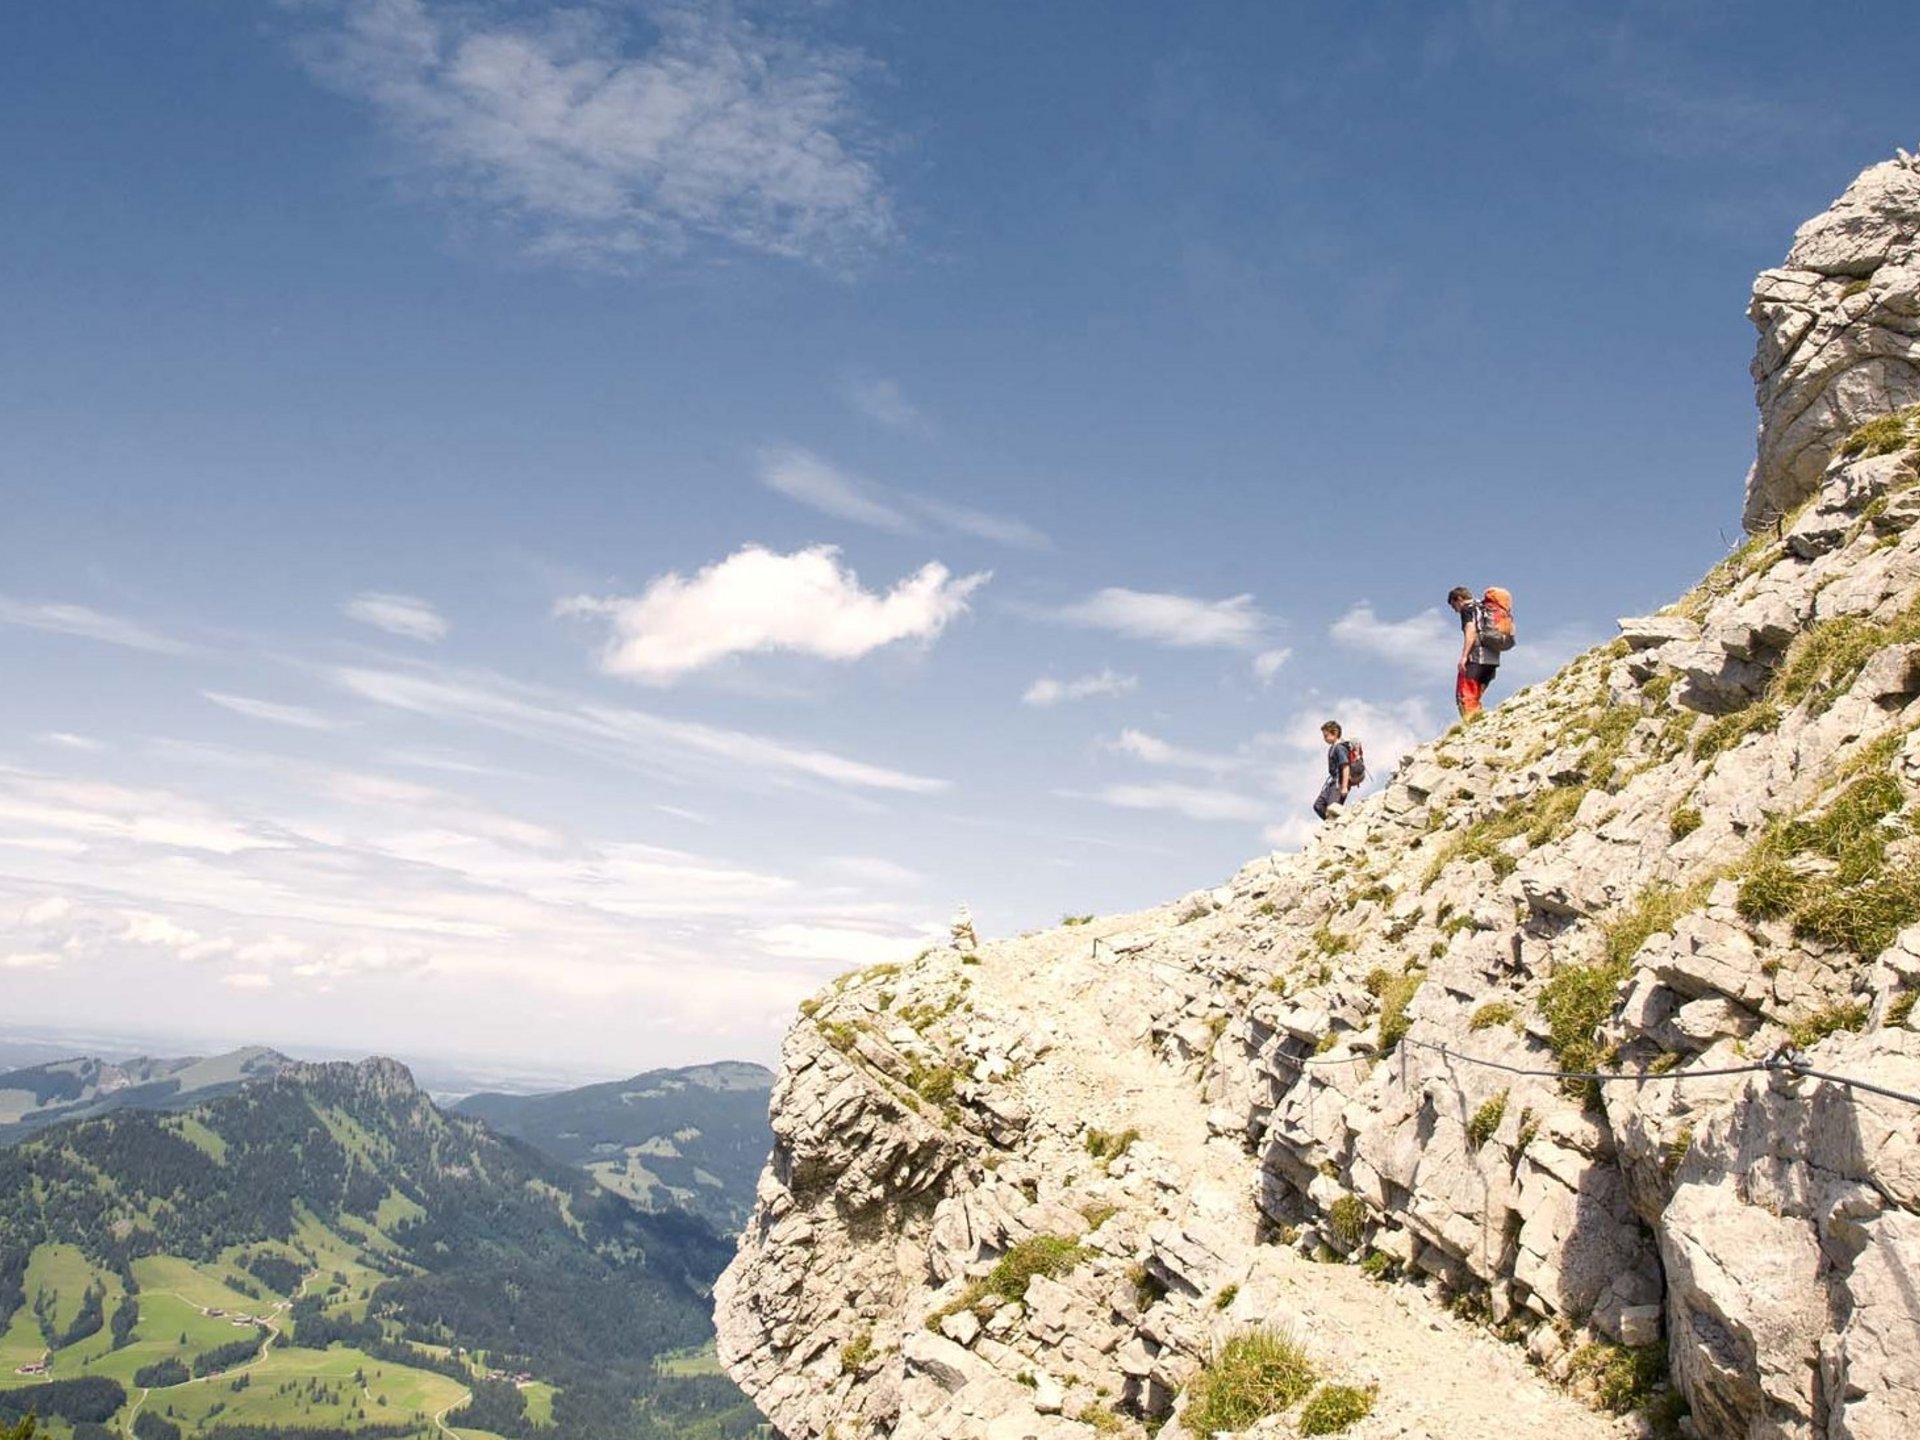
(547,531)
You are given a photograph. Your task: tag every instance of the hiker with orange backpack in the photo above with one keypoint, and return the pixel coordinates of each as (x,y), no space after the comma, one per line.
(1486,633)
(1346,768)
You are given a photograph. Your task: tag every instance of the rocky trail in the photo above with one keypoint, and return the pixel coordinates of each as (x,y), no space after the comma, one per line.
(1436,1377)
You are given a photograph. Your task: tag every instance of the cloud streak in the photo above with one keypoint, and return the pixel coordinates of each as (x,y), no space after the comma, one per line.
(87,624)
(1166,619)
(407,616)
(296,716)
(1047,691)
(601,146)
(618,734)
(807,479)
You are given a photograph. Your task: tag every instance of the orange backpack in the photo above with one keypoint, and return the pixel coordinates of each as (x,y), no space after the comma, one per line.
(1496,620)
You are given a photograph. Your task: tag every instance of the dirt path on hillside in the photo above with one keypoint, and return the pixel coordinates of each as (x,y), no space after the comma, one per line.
(1439,1378)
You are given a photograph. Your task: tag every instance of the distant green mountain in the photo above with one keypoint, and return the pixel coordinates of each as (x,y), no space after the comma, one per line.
(36,1096)
(326,1252)
(693,1138)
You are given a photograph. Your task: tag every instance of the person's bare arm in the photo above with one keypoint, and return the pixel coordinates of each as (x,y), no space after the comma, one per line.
(1346,778)
(1467,637)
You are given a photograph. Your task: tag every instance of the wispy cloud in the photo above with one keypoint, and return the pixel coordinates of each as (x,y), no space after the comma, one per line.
(1270,779)
(1268,663)
(297,716)
(1179,620)
(1426,641)
(385,892)
(756,601)
(601,145)
(1155,751)
(1001,529)
(87,624)
(882,401)
(805,477)
(802,476)
(67,740)
(1048,691)
(617,734)
(404,615)
(1193,801)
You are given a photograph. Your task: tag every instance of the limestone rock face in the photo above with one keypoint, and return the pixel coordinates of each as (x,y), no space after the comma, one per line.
(1839,330)
(1031,1189)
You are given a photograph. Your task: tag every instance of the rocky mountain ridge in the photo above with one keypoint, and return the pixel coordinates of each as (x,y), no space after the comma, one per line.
(1040,1190)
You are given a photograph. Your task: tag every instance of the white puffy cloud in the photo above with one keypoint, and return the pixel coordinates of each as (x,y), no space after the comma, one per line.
(247,980)
(1180,620)
(46,912)
(1047,691)
(405,615)
(599,149)
(87,624)
(756,601)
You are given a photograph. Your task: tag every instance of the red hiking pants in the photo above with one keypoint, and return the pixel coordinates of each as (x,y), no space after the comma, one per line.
(1469,685)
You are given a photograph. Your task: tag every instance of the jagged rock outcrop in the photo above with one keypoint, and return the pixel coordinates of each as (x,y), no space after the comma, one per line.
(1033,1190)
(1839,333)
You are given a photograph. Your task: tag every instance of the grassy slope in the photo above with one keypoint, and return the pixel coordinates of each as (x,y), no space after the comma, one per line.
(281,1390)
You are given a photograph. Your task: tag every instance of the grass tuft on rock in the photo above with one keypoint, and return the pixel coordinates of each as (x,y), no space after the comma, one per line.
(1347,1220)
(1657,908)
(1620,1379)
(1048,1255)
(1110,1144)
(1333,1408)
(1828,657)
(1830,874)
(1884,435)
(1486,1120)
(1849,1015)
(1575,1003)
(1726,731)
(1494,1012)
(1394,999)
(1257,1373)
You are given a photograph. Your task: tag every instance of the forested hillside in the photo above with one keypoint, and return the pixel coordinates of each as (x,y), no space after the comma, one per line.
(692,1139)
(325,1254)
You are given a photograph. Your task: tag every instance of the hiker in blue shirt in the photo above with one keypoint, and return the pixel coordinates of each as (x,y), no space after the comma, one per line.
(1340,770)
